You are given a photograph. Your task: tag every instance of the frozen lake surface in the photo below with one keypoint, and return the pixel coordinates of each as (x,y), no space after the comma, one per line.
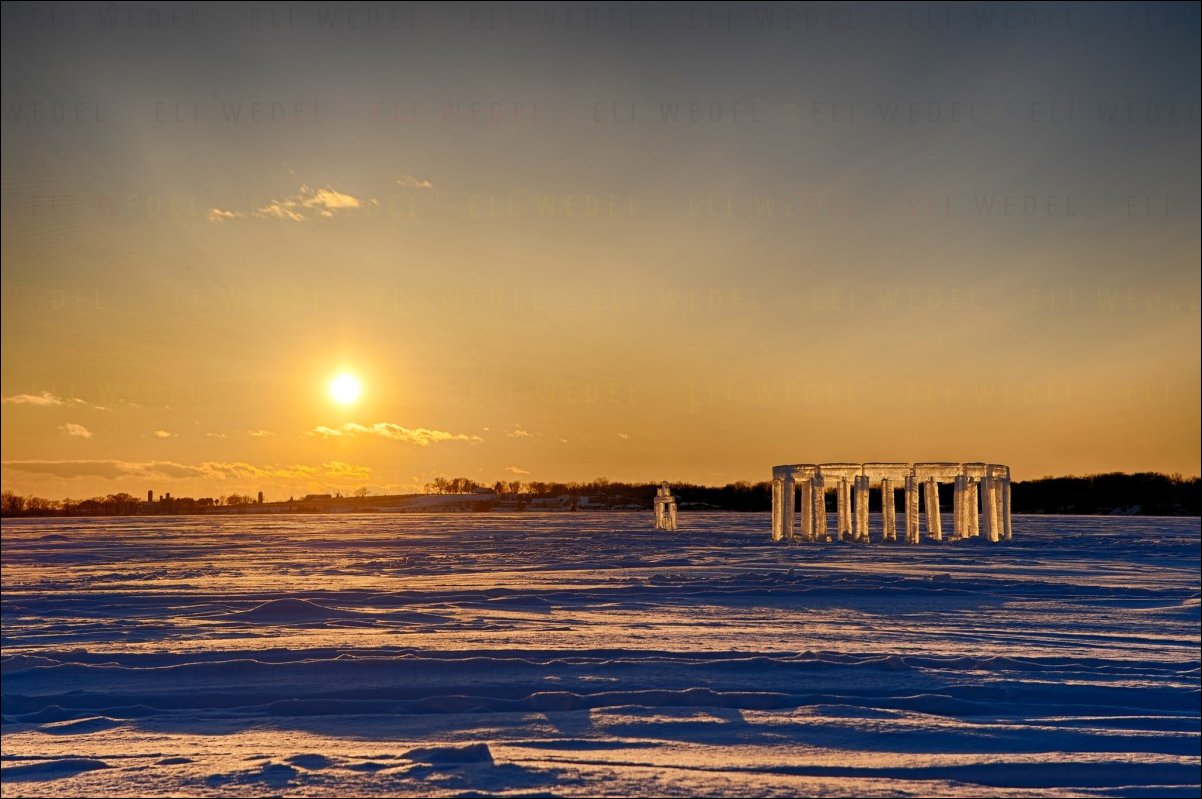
(584,654)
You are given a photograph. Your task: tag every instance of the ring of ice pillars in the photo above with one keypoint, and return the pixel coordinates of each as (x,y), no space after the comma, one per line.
(981,503)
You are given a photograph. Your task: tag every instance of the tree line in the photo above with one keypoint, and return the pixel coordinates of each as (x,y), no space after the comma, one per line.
(122,504)
(1143,493)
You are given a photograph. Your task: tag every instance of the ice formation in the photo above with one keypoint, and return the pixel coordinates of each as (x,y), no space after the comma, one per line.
(986,485)
(665,509)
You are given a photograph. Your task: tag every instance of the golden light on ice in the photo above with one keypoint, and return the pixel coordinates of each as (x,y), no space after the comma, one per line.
(345,389)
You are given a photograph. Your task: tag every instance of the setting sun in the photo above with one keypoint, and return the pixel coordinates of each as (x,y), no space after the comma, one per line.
(345,389)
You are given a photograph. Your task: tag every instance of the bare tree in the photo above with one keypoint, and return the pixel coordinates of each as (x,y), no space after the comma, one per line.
(12,504)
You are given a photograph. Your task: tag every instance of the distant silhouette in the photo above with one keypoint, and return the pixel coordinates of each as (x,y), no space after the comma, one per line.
(1115,493)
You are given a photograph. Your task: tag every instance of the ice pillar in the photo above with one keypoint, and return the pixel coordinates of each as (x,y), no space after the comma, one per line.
(1006,532)
(911,509)
(934,528)
(778,501)
(989,508)
(818,503)
(970,510)
(983,503)
(995,507)
(807,510)
(862,507)
(844,511)
(665,509)
(960,507)
(888,512)
(789,495)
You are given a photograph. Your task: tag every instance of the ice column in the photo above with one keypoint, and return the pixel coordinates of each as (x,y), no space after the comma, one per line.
(789,495)
(989,508)
(807,510)
(665,509)
(983,502)
(819,506)
(959,505)
(1006,532)
(995,507)
(778,487)
(862,508)
(970,509)
(934,528)
(911,509)
(888,511)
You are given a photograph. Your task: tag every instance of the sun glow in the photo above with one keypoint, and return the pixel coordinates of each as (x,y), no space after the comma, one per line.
(345,389)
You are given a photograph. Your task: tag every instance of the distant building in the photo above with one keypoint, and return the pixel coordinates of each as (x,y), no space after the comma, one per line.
(260,497)
(150,496)
(310,497)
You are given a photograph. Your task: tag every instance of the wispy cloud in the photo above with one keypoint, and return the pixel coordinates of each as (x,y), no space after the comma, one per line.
(46,399)
(259,433)
(516,470)
(307,203)
(624,436)
(108,469)
(519,432)
(76,430)
(411,182)
(243,471)
(115,469)
(420,436)
(43,398)
(163,434)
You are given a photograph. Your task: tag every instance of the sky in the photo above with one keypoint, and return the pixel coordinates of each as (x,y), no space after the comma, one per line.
(563,241)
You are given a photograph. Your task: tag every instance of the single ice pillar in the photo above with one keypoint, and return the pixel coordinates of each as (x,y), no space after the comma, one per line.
(862,508)
(778,501)
(970,510)
(665,509)
(995,507)
(888,511)
(819,507)
(911,509)
(989,508)
(934,528)
(1007,534)
(789,495)
(844,509)
(806,489)
(959,508)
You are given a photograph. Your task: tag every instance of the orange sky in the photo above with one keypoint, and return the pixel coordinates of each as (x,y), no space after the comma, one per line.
(560,253)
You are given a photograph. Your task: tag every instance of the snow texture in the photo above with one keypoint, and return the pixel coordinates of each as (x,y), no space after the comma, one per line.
(584,654)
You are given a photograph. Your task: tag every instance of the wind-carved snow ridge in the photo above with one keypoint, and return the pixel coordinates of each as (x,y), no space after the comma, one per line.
(577,654)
